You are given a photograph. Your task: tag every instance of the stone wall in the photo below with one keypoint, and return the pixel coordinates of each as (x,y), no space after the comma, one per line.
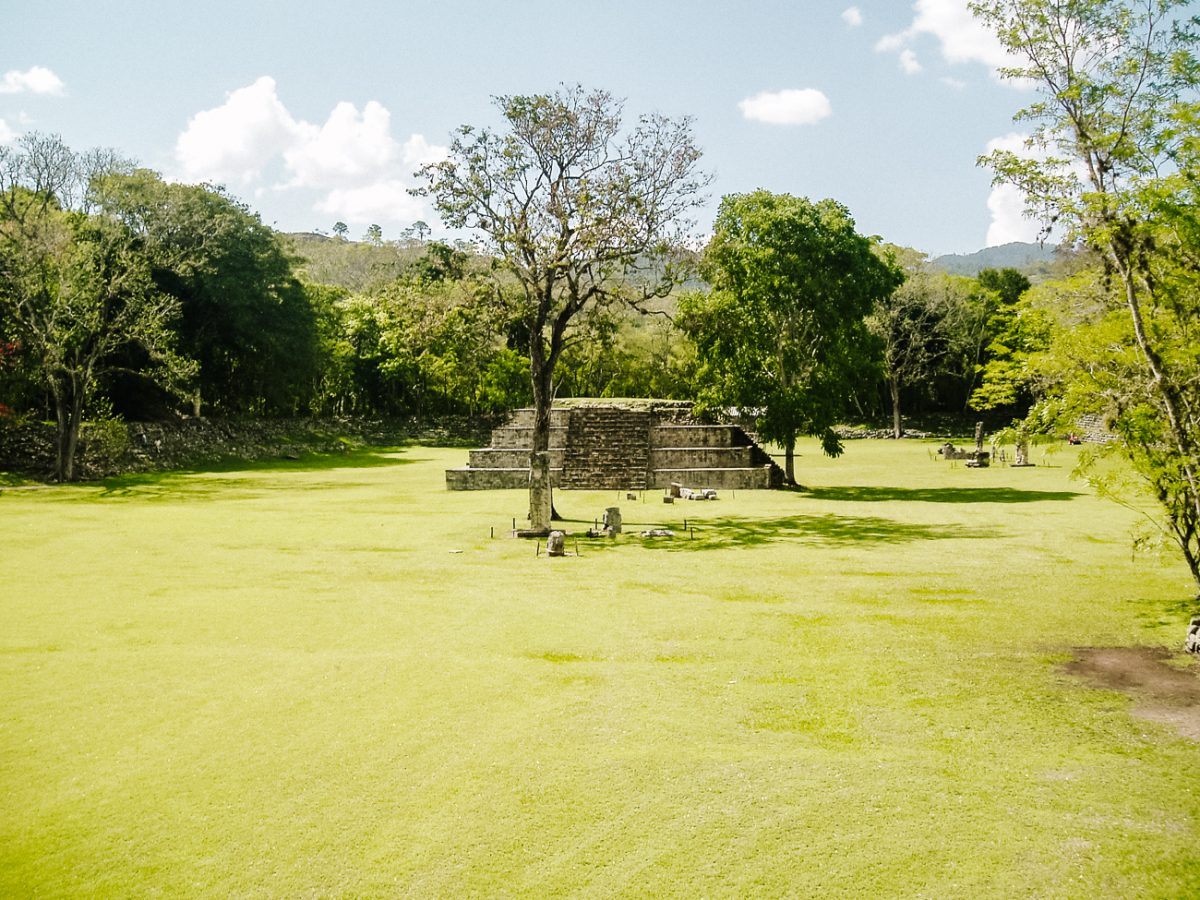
(117,448)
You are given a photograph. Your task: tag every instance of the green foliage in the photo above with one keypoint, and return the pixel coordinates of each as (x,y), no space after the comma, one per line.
(432,341)
(932,324)
(246,319)
(1019,327)
(579,213)
(1117,126)
(782,331)
(76,292)
(353,265)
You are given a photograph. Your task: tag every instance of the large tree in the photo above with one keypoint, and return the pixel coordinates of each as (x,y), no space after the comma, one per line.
(246,319)
(1116,127)
(580,212)
(76,296)
(782,331)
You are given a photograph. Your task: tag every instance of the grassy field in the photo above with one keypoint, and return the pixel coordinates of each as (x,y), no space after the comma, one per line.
(326,678)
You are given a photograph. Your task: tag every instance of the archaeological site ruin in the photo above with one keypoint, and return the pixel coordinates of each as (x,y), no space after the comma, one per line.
(632,446)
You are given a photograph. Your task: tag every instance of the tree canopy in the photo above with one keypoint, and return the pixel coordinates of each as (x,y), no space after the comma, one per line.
(1115,125)
(782,332)
(580,213)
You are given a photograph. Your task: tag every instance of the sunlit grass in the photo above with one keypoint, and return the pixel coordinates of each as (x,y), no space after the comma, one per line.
(327,677)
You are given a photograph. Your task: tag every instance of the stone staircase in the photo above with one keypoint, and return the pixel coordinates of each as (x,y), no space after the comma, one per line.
(608,448)
(621,445)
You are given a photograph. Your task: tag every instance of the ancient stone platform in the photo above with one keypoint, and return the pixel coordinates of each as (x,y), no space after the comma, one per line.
(606,445)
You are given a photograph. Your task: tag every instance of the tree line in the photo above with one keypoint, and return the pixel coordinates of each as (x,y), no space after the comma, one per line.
(124,295)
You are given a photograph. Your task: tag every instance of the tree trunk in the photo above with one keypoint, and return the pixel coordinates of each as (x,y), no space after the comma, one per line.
(789,459)
(897,422)
(68,412)
(541,500)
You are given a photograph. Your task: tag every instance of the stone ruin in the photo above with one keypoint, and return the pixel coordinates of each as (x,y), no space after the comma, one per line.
(975,459)
(607,445)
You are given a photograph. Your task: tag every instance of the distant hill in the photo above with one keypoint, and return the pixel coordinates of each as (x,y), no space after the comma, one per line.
(1031,259)
(355,265)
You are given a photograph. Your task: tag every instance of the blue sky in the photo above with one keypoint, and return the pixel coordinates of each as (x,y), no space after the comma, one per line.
(319,112)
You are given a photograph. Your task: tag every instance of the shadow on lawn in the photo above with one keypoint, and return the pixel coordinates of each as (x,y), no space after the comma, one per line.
(181,481)
(937,495)
(714,534)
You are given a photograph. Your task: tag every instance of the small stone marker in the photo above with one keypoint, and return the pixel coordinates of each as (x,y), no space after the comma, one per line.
(556,544)
(612,520)
(676,489)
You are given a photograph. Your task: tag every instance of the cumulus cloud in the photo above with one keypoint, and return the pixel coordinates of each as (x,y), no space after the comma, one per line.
(962,38)
(7,135)
(853,17)
(350,145)
(234,142)
(383,201)
(352,161)
(1006,203)
(35,80)
(804,106)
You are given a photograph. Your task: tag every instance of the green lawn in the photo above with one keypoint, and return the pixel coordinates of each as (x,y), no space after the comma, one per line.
(326,679)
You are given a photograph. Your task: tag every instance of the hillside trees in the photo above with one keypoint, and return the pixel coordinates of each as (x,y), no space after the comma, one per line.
(579,212)
(783,330)
(1117,123)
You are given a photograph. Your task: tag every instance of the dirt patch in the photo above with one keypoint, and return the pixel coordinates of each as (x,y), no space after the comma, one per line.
(1161,692)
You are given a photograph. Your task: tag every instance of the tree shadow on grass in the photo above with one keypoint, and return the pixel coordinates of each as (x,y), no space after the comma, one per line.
(826,530)
(938,495)
(180,482)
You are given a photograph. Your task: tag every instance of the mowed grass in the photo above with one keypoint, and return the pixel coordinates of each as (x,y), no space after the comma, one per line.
(326,678)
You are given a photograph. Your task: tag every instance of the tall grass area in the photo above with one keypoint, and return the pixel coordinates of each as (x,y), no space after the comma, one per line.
(326,678)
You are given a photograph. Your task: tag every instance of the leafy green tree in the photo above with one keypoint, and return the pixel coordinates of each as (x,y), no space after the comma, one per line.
(579,213)
(1019,331)
(246,318)
(1117,124)
(924,326)
(75,290)
(340,230)
(782,331)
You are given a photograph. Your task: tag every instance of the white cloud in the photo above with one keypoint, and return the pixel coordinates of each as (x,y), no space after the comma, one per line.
(234,142)
(1006,203)
(349,146)
(7,135)
(35,80)
(908,62)
(853,17)
(384,201)
(963,39)
(956,84)
(419,152)
(352,163)
(791,107)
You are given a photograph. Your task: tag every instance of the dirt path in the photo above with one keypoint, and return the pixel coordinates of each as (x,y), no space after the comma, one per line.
(1161,692)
